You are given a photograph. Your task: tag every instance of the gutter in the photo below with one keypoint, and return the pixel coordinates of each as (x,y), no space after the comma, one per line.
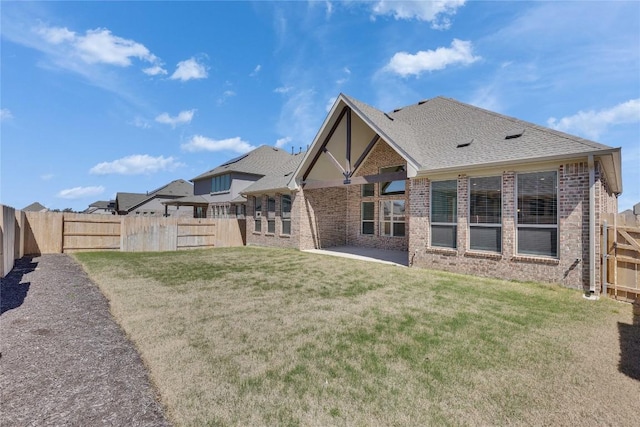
(592,228)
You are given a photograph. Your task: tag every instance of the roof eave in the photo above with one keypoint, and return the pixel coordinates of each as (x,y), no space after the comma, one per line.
(612,161)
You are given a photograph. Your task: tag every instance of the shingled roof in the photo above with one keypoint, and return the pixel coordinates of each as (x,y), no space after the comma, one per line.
(278,178)
(34,207)
(442,134)
(174,189)
(257,162)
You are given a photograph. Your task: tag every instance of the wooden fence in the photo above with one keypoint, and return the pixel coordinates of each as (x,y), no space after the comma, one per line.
(621,260)
(35,233)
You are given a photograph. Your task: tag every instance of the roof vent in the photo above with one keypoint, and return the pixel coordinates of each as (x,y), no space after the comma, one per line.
(397,109)
(464,144)
(423,101)
(388,116)
(514,134)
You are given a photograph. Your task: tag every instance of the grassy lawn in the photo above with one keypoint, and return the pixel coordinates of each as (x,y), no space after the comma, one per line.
(253,336)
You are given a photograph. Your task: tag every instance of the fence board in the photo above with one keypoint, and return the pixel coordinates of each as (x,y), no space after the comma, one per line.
(141,234)
(91,232)
(7,239)
(623,256)
(43,233)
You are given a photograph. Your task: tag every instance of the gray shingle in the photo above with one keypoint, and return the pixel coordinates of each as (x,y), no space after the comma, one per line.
(257,162)
(278,178)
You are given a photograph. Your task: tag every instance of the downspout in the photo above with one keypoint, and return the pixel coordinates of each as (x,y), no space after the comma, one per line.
(592,226)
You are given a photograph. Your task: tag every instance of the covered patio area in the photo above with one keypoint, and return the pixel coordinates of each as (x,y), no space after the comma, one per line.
(384,256)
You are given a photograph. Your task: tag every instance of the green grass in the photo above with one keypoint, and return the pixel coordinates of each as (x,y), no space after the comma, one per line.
(254,336)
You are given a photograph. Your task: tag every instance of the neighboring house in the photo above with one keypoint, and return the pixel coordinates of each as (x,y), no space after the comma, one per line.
(35,207)
(456,187)
(151,203)
(102,207)
(217,193)
(633,213)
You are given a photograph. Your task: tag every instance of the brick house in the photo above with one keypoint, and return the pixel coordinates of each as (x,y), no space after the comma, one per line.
(456,187)
(217,192)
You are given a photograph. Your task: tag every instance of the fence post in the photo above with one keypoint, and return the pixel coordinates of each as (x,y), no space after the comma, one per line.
(605,257)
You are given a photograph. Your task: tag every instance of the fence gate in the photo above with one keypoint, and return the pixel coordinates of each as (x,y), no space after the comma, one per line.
(621,256)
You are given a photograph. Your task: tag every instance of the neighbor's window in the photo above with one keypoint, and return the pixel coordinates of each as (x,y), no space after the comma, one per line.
(444,211)
(368,217)
(200,212)
(220,183)
(538,213)
(392,218)
(271,215)
(285,208)
(368,190)
(258,213)
(240,211)
(485,213)
(392,187)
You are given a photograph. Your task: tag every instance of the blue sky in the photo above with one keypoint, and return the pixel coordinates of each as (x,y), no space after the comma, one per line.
(101,97)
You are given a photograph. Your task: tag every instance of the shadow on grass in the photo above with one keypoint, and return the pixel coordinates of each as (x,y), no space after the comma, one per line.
(12,291)
(630,345)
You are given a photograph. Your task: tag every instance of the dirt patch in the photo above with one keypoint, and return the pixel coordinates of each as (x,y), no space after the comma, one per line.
(64,360)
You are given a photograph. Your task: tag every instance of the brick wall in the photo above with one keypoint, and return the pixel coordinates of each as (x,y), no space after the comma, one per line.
(571,269)
(322,220)
(277,239)
(382,155)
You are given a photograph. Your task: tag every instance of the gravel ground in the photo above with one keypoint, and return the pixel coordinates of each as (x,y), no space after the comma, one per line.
(64,361)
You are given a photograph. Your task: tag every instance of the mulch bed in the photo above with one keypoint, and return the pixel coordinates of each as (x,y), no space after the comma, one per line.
(64,360)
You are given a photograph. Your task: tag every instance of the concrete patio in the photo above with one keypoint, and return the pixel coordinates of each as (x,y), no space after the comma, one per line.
(384,256)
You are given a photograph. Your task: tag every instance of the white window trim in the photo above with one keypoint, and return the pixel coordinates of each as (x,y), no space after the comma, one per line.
(543,226)
(380,194)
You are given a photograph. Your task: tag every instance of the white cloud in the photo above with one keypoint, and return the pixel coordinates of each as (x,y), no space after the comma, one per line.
(5,114)
(46,177)
(405,64)
(330,103)
(256,70)
(437,12)
(136,165)
(283,89)
(202,143)
(141,123)
(592,124)
(225,95)
(283,141)
(81,192)
(154,71)
(98,46)
(182,118)
(189,69)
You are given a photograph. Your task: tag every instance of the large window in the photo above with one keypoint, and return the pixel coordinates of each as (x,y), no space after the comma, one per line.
(368,217)
(271,215)
(392,218)
(485,214)
(538,213)
(285,207)
(444,211)
(220,183)
(258,214)
(392,187)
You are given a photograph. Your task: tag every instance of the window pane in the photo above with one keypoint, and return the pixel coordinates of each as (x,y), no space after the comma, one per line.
(392,187)
(271,204)
(258,203)
(443,236)
(286,227)
(286,206)
(368,211)
(386,210)
(367,227)
(398,210)
(444,201)
(398,229)
(537,201)
(271,226)
(486,239)
(258,225)
(485,200)
(368,190)
(386,229)
(538,241)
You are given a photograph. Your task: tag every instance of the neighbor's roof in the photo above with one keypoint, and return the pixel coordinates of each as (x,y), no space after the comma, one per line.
(100,204)
(257,162)
(34,207)
(176,188)
(278,178)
